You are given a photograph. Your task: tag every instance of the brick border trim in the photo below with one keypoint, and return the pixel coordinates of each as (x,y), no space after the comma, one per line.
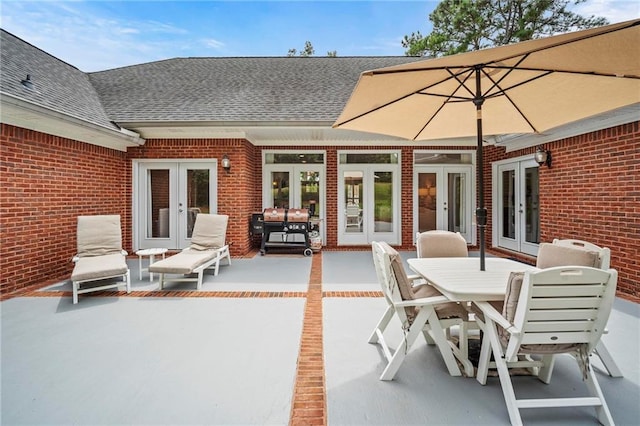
(308,406)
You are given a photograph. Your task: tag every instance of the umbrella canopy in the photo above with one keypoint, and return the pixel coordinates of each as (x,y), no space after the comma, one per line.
(526,87)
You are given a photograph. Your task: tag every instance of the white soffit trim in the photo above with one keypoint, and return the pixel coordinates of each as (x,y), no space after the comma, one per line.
(279,134)
(628,114)
(19,113)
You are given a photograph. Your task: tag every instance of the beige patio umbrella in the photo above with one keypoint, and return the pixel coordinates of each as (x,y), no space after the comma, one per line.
(526,87)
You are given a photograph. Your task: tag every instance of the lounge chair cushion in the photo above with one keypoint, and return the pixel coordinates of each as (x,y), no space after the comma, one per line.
(552,255)
(209,231)
(93,267)
(184,262)
(407,292)
(441,244)
(98,235)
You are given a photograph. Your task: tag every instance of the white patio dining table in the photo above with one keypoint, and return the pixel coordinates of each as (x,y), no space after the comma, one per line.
(461,280)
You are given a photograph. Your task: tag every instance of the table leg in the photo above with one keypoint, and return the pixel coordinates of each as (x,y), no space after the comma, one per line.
(151,260)
(140,266)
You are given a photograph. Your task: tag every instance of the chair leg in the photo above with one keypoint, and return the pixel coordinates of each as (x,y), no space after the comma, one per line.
(76,287)
(485,358)
(382,324)
(408,340)
(161,280)
(437,333)
(602,411)
(503,373)
(127,278)
(200,276)
(607,360)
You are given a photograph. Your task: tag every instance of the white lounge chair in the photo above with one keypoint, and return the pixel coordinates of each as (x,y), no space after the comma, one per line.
(208,248)
(554,311)
(420,309)
(100,255)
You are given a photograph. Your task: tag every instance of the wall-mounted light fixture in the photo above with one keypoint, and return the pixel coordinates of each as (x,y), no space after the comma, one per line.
(27,82)
(542,157)
(226,163)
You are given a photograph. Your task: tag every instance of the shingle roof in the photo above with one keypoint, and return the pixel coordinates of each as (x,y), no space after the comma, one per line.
(241,89)
(234,89)
(57,85)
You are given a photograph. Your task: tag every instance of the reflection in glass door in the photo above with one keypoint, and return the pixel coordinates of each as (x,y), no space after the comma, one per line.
(443,199)
(354,201)
(169,196)
(368,199)
(518,212)
(294,187)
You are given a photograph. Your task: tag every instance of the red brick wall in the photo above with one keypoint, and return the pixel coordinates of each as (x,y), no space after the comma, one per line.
(46,182)
(238,189)
(592,192)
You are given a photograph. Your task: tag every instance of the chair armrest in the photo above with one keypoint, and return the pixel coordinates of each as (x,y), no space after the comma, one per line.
(490,312)
(124,252)
(425,301)
(75,258)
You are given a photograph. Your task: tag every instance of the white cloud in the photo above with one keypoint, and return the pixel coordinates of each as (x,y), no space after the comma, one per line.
(213,43)
(89,39)
(613,10)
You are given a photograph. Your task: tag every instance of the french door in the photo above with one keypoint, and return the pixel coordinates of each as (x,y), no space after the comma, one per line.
(167,197)
(294,186)
(442,199)
(368,204)
(518,206)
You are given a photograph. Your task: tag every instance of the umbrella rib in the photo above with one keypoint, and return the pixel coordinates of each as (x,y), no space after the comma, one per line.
(418,91)
(462,82)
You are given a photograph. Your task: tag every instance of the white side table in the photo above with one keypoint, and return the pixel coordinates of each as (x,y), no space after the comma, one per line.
(152,253)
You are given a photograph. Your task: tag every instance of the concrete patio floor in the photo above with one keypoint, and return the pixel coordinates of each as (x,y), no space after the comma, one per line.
(276,339)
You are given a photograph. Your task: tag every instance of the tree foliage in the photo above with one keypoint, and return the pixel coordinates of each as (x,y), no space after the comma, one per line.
(465,25)
(309,51)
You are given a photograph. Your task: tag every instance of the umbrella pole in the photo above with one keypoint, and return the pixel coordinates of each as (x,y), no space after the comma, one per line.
(481,211)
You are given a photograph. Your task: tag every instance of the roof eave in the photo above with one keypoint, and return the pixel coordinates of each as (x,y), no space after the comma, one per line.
(21,113)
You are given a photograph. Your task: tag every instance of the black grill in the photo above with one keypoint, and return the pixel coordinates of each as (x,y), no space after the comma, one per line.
(287,223)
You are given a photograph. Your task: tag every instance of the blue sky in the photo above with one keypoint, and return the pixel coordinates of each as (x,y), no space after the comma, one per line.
(99,35)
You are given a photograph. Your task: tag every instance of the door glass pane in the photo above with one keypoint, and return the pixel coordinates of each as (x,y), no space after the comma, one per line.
(383,201)
(280,190)
(532,198)
(427,197)
(197,196)
(508,204)
(353,200)
(457,202)
(158,204)
(310,193)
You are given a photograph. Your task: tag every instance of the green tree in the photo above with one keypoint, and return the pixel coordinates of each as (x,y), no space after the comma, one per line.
(309,51)
(465,25)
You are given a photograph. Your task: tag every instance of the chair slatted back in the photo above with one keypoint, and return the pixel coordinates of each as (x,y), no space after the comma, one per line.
(384,271)
(563,305)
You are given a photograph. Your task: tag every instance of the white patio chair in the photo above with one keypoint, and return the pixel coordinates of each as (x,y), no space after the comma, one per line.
(99,255)
(208,247)
(580,253)
(420,309)
(549,312)
(439,243)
